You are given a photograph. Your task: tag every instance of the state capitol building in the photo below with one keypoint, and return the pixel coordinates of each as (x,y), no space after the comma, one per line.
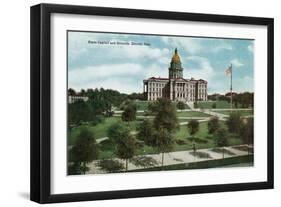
(175,87)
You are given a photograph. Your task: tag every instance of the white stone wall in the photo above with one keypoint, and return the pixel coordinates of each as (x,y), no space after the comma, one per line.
(176,90)
(72,99)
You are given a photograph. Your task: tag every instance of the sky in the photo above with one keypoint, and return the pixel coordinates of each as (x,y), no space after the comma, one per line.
(122,61)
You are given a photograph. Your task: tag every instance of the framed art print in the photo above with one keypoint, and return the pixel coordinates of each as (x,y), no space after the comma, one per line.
(133,103)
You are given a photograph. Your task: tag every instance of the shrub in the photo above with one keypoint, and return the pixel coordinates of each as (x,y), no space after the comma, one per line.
(180,142)
(111,165)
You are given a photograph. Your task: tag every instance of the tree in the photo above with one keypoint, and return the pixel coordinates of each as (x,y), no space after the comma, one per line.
(213,124)
(85,149)
(193,127)
(79,111)
(135,96)
(125,143)
(110,165)
(233,122)
(163,142)
(165,115)
(82,92)
(245,100)
(126,103)
(181,105)
(146,132)
(144,161)
(195,105)
(71,92)
(221,139)
(126,148)
(214,105)
(165,123)
(74,168)
(117,131)
(247,131)
(129,113)
(102,100)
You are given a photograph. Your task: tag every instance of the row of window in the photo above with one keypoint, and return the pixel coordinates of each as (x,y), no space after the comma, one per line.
(180,95)
(157,84)
(202,86)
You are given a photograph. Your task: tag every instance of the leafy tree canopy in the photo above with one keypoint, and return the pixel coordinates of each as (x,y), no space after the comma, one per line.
(181,105)
(129,113)
(111,165)
(233,122)
(84,150)
(146,132)
(164,140)
(118,131)
(165,115)
(247,130)
(221,138)
(126,147)
(193,127)
(213,124)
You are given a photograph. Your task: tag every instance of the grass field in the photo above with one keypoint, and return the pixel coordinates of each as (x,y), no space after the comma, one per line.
(241,112)
(192,114)
(209,104)
(183,140)
(100,130)
(143,105)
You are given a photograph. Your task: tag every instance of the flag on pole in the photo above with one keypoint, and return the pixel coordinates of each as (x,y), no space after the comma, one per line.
(228,71)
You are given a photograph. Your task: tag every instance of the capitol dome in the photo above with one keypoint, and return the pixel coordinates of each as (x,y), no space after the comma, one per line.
(176,57)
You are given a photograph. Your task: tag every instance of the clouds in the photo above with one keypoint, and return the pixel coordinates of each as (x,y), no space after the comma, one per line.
(82,54)
(124,67)
(237,63)
(125,77)
(201,68)
(195,46)
(250,48)
(222,47)
(190,45)
(107,76)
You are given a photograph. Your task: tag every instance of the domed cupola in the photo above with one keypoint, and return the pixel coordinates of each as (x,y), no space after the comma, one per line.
(175,70)
(176,57)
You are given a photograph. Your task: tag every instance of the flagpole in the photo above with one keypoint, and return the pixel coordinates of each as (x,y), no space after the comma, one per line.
(231,87)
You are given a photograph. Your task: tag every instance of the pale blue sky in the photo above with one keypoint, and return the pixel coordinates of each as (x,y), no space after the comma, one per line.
(123,67)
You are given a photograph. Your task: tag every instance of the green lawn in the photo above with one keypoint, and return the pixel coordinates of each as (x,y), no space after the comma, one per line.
(192,114)
(100,130)
(209,104)
(185,120)
(183,114)
(241,112)
(202,138)
(183,140)
(142,105)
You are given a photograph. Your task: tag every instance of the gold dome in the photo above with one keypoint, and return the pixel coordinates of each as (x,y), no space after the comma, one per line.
(176,57)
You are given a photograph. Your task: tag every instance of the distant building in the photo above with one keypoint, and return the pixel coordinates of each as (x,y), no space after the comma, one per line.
(74,98)
(175,87)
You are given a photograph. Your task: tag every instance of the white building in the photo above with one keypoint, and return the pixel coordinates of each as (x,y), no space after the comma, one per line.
(72,99)
(175,88)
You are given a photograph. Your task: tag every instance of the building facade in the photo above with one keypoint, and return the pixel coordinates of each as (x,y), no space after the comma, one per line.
(175,87)
(73,99)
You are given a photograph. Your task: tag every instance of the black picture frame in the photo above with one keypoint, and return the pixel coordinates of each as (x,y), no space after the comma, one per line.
(41,96)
